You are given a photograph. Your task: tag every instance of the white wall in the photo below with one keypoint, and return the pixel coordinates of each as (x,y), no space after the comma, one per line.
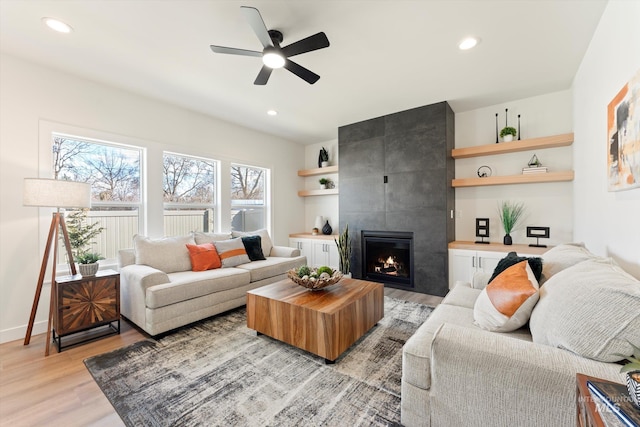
(325,206)
(608,222)
(547,204)
(33,98)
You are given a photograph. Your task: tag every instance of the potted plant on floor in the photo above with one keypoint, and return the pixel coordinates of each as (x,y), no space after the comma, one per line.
(633,375)
(344,251)
(510,214)
(508,133)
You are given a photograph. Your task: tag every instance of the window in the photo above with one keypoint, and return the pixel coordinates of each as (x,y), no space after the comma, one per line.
(248,198)
(189,194)
(114,173)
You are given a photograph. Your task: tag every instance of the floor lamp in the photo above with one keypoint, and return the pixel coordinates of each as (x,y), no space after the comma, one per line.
(53,193)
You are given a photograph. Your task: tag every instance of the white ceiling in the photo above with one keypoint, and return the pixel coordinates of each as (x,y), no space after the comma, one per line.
(385,56)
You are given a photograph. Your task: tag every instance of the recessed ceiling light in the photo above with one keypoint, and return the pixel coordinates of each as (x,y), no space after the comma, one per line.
(272,112)
(468,43)
(57,25)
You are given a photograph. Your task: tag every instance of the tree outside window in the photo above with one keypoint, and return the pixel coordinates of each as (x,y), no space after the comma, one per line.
(188,194)
(248,198)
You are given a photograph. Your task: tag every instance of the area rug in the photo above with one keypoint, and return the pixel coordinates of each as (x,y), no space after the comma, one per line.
(219,372)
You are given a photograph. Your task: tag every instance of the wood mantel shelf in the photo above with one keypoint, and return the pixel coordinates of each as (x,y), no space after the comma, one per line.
(514,179)
(513,147)
(318,171)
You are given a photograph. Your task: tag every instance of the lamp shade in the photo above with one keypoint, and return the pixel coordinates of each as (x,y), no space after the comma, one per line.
(55,193)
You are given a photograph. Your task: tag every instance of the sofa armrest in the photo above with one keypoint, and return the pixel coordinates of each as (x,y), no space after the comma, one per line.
(480,280)
(284,251)
(482,378)
(134,281)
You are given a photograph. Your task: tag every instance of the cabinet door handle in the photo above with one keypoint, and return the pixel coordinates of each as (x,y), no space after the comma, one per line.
(473,261)
(479,262)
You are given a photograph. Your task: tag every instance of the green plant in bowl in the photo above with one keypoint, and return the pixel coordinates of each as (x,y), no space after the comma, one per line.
(508,130)
(88,258)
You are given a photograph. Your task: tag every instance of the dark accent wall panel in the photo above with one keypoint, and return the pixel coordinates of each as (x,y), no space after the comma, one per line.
(413,150)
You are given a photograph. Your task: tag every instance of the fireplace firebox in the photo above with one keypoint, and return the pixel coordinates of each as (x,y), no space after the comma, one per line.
(387,257)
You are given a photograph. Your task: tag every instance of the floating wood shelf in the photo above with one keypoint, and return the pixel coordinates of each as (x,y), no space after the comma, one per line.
(513,147)
(514,179)
(306,193)
(318,171)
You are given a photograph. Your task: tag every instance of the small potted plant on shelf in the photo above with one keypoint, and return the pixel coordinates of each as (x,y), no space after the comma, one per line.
(633,375)
(510,214)
(508,133)
(324,183)
(88,263)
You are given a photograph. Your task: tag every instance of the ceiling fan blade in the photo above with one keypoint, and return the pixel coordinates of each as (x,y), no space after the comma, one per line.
(255,20)
(311,43)
(306,75)
(263,75)
(234,51)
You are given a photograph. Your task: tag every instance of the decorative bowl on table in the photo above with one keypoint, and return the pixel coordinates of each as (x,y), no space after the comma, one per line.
(314,279)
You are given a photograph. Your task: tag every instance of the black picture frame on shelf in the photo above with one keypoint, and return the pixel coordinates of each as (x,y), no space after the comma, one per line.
(482,229)
(538,232)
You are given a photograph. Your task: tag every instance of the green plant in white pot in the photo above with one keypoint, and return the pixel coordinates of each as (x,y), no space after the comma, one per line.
(633,375)
(508,133)
(88,263)
(511,214)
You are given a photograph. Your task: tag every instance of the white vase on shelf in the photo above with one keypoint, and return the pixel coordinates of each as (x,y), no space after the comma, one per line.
(319,222)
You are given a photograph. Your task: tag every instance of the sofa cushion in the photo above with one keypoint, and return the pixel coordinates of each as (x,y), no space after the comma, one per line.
(506,303)
(204,257)
(271,267)
(186,285)
(201,237)
(591,309)
(561,257)
(253,247)
(232,252)
(512,258)
(265,239)
(168,254)
(464,296)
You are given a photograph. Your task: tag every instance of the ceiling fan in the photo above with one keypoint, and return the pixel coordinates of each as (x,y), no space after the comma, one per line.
(274,56)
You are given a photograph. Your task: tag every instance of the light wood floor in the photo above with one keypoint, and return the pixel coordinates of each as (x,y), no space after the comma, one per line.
(58,389)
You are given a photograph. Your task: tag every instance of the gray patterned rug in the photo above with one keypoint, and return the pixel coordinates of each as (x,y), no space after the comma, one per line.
(218,372)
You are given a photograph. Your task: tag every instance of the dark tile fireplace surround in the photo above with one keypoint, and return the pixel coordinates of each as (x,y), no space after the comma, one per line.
(395,181)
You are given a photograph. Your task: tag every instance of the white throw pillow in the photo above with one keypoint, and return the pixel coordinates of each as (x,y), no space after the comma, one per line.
(591,309)
(232,252)
(561,257)
(506,303)
(201,237)
(168,254)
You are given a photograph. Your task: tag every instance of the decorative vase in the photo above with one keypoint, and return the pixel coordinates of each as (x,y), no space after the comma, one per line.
(327,228)
(507,239)
(318,223)
(88,270)
(634,387)
(507,138)
(323,186)
(324,164)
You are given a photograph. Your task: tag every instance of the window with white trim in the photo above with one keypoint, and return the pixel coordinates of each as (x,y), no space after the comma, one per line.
(189,194)
(248,197)
(114,172)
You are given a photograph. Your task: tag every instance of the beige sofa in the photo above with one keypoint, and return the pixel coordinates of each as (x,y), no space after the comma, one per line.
(159,292)
(456,374)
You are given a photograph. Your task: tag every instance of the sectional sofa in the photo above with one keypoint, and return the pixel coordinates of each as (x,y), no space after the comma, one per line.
(455,373)
(160,292)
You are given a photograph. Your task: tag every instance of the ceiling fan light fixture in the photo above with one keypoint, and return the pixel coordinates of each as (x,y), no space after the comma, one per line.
(273,59)
(57,25)
(272,112)
(468,43)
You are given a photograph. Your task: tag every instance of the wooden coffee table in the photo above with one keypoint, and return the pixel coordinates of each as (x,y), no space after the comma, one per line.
(324,322)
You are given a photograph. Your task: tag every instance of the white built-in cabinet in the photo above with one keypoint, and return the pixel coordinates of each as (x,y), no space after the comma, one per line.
(467,258)
(320,250)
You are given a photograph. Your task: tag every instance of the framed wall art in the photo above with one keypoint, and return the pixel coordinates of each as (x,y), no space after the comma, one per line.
(623,137)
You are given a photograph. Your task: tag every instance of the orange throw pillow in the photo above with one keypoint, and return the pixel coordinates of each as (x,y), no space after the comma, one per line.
(204,257)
